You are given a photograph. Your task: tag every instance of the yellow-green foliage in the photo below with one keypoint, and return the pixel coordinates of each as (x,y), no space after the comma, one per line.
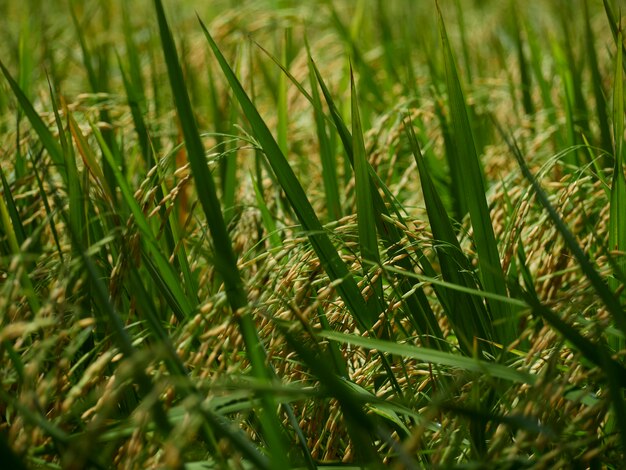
(284,234)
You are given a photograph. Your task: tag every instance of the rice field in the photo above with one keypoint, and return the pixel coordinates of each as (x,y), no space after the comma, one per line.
(328,234)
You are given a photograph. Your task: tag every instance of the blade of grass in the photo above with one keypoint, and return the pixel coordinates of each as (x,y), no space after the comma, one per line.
(390,51)
(222,116)
(598,91)
(334,266)
(467,314)
(98,82)
(360,424)
(27,285)
(134,62)
(366,225)
(156,262)
(16,220)
(135,99)
(230,184)
(602,289)
(224,257)
(76,195)
(580,113)
(26,60)
(86,55)
(345,136)
(459,201)
(281,132)
(525,76)
(614,25)
(434,356)
(459,288)
(565,74)
(617,217)
(473,187)
(464,43)
(327,155)
(536,45)
(418,307)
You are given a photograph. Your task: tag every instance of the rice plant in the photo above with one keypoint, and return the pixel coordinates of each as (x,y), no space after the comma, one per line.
(279,234)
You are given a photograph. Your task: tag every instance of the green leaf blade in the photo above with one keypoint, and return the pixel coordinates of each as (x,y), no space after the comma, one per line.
(473,187)
(334,266)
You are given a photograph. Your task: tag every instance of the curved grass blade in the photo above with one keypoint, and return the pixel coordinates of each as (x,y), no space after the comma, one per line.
(225,259)
(574,87)
(366,224)
(368,241)
(332,263)
(224,256)
(459,202)
(327,156)
(464,43)
(432,355)
(473,187)
(467,314)
(563,67)
(617,219)
(418,307)
(135,99)
(602,289)
(456,287)
(283,121)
